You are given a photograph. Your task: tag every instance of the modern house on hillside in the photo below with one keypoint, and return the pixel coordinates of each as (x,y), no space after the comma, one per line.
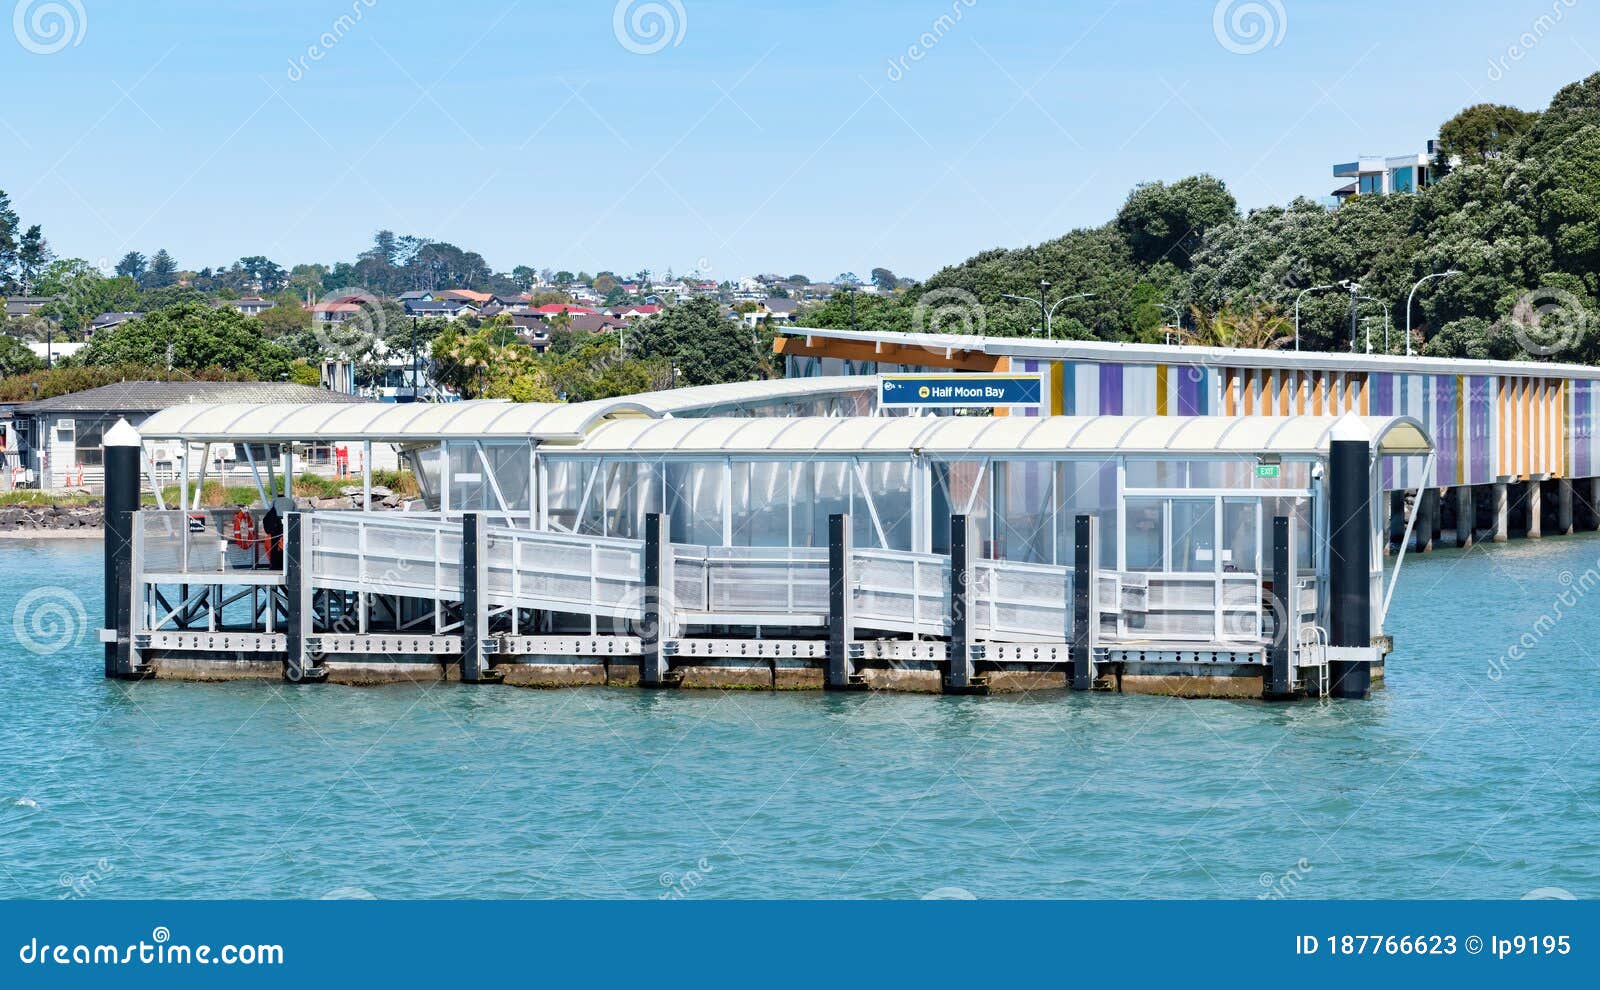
(1375,176)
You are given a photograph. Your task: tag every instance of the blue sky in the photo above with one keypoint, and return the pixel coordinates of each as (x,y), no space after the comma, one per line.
(792,137)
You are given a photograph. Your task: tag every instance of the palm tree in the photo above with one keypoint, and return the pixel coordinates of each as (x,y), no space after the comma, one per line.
(1259,327)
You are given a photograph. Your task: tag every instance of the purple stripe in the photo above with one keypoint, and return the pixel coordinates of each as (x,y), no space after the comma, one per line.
(1582,429)
(1444,416)
(1383,395)
(1111,390)
(1480,430)
(1189,390)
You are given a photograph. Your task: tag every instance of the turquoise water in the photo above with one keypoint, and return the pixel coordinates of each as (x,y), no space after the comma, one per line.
(1449,783)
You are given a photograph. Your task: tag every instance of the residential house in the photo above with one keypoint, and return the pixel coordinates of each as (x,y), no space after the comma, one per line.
(338,311)
(772,311)
(248,305)
(59,439)
(26,305)
(449,309)
(1375,176)
(108,321)
(634,312)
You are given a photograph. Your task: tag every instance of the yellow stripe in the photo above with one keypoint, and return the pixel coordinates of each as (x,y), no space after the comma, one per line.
(1161,390)
(1058,389)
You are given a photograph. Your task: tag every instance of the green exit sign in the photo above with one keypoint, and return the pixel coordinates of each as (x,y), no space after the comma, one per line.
(1268,470)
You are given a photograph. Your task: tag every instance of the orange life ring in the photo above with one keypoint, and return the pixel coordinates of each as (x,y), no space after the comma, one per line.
(244,530)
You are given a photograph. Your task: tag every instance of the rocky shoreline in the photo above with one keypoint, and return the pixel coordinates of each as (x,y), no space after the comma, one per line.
(51,520)
(88,521)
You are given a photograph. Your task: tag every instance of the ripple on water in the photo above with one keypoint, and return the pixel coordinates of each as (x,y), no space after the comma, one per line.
(1449,783)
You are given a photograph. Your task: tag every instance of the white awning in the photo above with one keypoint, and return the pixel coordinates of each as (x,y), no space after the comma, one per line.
(958,436)
(478,420)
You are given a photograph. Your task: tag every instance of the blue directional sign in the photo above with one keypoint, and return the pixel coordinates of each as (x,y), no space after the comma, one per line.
(961,391)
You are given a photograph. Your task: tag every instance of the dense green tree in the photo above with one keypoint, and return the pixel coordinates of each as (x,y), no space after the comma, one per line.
(133,265)
(1167,223)
(705,345)
(16,358)
(1482,132)
(82,293)
(885,279)
(189,336)
(163,271)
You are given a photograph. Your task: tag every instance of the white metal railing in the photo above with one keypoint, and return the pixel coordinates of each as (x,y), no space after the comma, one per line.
(1197,608)
(387,554)
(762,580)
(901,592)
(202,542)
(563,572)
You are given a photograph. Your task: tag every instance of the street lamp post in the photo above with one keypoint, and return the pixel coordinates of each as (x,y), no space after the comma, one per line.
(1409,299)
(1297,299)
(1177,319)
(1047,313)
(1355,293)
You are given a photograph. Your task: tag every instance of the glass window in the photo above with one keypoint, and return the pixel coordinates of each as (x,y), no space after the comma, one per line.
(1145,534)
(889,485)
(761,504)
(469,486)
(1087,488)
(953,485)
(1405,179)
(424,464)
(1298,509)
(694,502)
(566,481)
(1241,538)
(1024,511)
(1193,535)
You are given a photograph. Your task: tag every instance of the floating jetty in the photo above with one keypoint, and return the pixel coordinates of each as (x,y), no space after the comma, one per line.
(771,535)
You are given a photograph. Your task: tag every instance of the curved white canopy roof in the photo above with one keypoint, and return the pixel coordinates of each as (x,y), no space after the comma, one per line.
(478,420)
(973,435)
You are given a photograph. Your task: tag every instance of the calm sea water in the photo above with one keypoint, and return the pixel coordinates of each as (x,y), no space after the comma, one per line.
(1450,783)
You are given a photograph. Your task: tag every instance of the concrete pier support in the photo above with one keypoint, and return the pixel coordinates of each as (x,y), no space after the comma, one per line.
(1427,521)
(122,447)
(1466,516)
(1396,530)
(959,679)
(841,608)
(1085,617)
(1533,501)
(1564,507)
(1350,557)
(1500,511)
(657,604)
